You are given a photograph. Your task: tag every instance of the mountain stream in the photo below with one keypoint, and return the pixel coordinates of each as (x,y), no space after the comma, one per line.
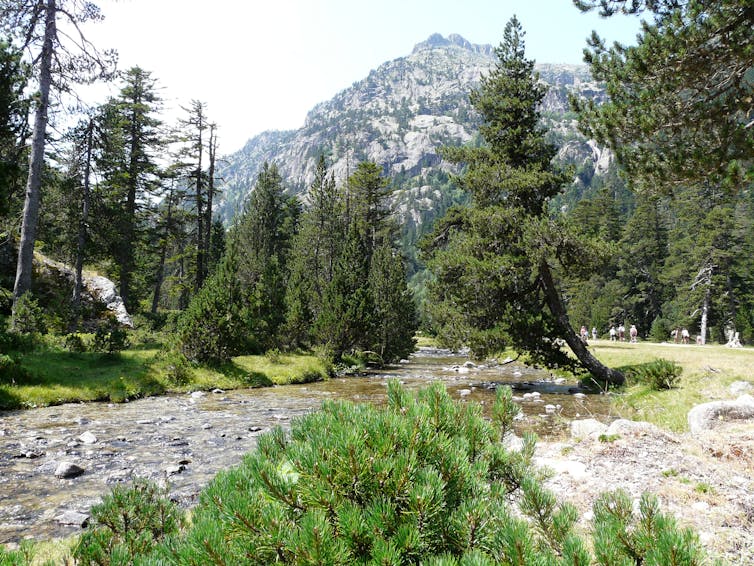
(184,440)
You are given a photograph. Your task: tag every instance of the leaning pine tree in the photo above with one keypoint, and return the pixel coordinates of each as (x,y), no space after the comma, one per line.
(496,262)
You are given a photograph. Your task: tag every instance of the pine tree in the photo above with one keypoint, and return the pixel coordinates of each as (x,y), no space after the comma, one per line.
(496,261)
(395,312)
(315,250)
(212,329)
(644,249)
(13,125)
(130,170)
(263,236)
(679,109)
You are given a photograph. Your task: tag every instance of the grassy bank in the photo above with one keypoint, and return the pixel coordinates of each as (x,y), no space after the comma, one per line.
(54,376)
(708,371)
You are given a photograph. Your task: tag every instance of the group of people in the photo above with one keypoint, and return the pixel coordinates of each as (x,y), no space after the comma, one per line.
(680,335)
(619,334)
(616,334)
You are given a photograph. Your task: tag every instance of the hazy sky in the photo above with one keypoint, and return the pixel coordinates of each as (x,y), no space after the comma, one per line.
(262,65)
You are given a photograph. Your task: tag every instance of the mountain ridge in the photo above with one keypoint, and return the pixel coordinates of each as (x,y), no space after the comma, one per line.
(398,116)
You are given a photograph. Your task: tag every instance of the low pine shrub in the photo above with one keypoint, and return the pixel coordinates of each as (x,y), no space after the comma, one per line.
(130,521)
(28,317)
(423,480)
(74,343)
(659,374)
(11,370)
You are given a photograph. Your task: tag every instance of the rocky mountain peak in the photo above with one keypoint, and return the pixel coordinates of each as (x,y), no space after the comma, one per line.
(437,40)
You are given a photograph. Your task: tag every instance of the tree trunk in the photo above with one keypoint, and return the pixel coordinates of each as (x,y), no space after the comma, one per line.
(36,161)
(705,313)
(160,276)
(212,148)
(200,268)
(555,303)
(81,244)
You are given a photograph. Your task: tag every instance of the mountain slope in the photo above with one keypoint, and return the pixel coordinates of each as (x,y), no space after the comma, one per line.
(399,116)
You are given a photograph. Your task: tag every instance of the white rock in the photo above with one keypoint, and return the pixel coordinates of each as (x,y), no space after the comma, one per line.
(586,428)
(88,438)
(705,416)
(575,469)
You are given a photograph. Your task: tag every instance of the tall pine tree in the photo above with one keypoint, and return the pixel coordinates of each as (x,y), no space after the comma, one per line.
(496,261)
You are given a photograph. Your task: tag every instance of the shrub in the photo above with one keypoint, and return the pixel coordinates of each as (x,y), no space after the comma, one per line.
(660,331)
(211,330)
(273,355)
(177,368)
(28,317)
(128,522)
(110,338)
(648,537)
(658,374)
(423,480)
(74,343)
(11,370)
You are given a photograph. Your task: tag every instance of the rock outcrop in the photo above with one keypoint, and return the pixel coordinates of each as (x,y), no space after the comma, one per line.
(96,287)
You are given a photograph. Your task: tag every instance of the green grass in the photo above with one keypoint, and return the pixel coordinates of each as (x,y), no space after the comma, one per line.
(57,376)
(707,373)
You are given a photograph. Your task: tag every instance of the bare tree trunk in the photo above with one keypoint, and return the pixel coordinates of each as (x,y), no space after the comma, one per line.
(160,277)
(36,162)
(212,149)
(555,303)
(200,268)
(705,314)
(81,244)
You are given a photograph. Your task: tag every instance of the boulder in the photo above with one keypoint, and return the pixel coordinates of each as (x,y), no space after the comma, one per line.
(586,428)
(625,426)
(68,470)
(705,416)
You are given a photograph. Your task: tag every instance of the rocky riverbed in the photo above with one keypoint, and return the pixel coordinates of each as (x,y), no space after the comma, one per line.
(56,462)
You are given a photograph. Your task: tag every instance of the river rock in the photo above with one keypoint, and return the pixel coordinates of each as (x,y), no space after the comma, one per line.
(68,470)
(586,428)
(88,438)
(705,416)
(73,518)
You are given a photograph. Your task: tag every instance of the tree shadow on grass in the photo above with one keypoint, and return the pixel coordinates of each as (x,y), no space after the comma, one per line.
(243,376)
(87,377)
(8,400)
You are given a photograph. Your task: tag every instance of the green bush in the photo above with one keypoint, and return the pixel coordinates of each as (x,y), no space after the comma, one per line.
(74,343)
(28,317)
(11,370)
(177,368)
(659,374)
(424,480)
(211,330)
(660,331)
(110,338)
(128,522)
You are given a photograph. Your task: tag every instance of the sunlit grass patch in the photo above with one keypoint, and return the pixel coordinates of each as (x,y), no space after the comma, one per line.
(707,374)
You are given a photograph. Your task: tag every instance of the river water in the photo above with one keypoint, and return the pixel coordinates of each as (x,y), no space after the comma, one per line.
(184,440)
